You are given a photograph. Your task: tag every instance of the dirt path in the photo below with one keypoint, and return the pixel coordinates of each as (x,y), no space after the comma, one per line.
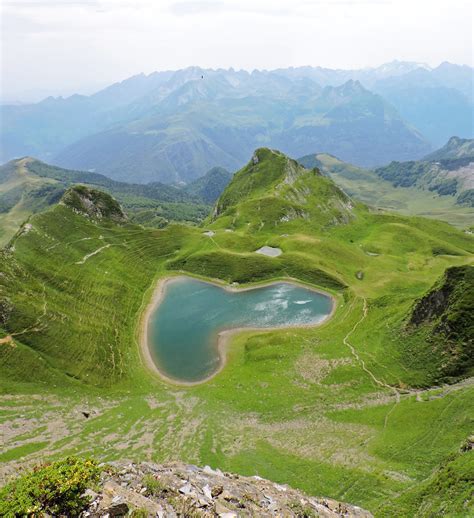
(95,252)
(361,362)
(397,393)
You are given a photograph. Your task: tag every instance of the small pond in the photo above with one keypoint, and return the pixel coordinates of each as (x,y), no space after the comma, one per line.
(183,328)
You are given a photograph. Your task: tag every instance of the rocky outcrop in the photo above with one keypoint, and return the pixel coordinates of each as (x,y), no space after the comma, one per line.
(93,204)
(179,490)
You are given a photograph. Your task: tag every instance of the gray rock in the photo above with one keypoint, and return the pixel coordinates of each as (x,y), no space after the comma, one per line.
(187,489)
(117,510)
(203,491)
(207,492)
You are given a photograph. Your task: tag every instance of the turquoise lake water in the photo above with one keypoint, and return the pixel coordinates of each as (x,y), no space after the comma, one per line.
(183,329)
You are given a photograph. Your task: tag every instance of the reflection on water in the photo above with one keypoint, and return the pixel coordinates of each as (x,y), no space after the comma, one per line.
(183,328)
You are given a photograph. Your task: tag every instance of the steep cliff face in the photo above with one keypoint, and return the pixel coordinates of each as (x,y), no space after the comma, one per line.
(444,316)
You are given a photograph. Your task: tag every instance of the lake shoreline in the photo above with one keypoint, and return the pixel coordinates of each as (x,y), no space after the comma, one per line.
(223,337)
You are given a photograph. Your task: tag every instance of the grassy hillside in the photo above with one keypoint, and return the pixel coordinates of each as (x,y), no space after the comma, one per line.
(335,410)
(406,195)
(442,321)
(448,492)
(28,186)
(210,186)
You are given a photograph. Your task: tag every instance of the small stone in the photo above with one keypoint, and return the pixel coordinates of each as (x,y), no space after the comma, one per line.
(226,495)
(269,498)
(216,491)
(221,509)
(207,492)
(187,489)
(273,507)
(117,510)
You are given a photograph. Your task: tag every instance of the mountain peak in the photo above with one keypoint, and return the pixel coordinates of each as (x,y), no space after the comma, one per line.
(351,87)
(273,189)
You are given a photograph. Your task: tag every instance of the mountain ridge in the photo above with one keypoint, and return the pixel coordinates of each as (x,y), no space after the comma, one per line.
(201,139)
(174,126)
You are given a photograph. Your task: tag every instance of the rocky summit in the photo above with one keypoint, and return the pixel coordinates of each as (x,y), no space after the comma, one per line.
(177,489)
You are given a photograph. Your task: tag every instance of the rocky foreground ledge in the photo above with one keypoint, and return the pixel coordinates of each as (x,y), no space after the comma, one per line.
(180,490)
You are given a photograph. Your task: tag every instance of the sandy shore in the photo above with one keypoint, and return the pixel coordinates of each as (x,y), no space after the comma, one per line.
(224,337)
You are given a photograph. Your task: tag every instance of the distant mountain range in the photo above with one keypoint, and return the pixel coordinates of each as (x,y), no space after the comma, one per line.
(172,127)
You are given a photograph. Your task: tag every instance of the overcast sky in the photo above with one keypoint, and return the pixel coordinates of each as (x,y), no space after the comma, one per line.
(61,46)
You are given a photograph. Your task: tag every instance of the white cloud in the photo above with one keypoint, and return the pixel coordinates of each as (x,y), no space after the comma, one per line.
(63,45)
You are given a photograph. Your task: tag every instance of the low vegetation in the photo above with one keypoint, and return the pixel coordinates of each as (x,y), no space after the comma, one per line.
(55,488)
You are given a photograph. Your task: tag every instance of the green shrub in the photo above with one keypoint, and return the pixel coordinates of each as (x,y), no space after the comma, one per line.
(154,487)
(56,488)
(302,511)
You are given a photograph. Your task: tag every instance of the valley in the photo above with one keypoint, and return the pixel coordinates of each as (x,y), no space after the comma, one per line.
(28,186)
(438,186)
(373,407)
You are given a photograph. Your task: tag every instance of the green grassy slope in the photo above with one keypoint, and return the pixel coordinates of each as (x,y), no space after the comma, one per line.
(334,410)
(440,330)
(448,492)
(28,186)
(409,199)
